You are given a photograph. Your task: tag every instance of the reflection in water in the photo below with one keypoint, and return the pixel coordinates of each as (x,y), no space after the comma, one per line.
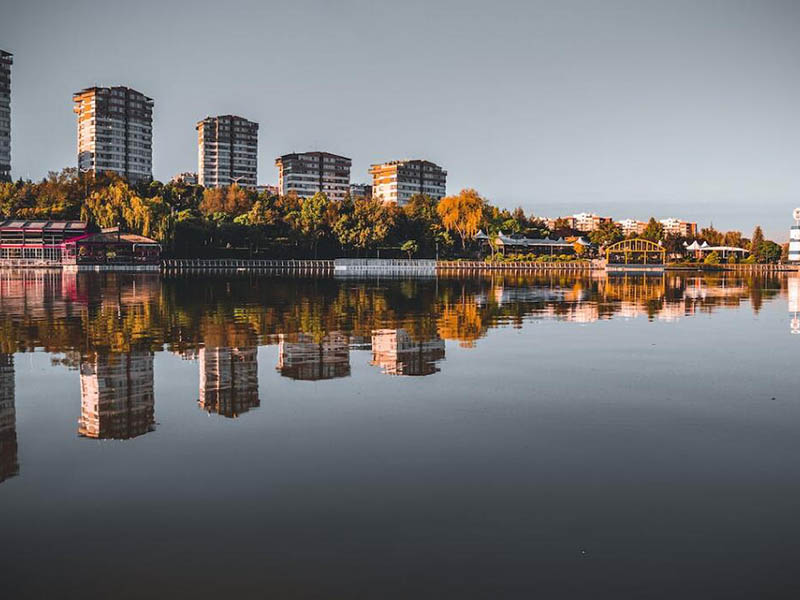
(109,325)
(793,286)
(8,419)
(396,353)
(302,356)
(228,380)
(117,400)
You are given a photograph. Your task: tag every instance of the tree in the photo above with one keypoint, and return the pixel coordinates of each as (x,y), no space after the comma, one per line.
(654,231)
(364,224)
(732,238)
(756,243)
(462,213)
(410,247)
(770,252)
(711,235)
(712,259)
(232,201)
(608,233)
(312,219)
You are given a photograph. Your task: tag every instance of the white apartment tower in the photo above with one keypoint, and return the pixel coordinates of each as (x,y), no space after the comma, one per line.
(115,132)
(227,151)
(397,181)
(307,173)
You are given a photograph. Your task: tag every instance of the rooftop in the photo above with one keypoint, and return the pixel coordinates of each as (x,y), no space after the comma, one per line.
(40,225)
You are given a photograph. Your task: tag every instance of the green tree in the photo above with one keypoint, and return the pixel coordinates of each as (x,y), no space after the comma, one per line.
(712,259)
(756,243)
(654,231)
(608,233)
(410,247)
(312,219)
(770,252)
(363,225)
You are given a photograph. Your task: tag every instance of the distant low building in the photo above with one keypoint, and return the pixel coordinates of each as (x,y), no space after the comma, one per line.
(266,188)
(397,181)
(588,222)
(632,227)
(360,190)
(187,178)
(680,228)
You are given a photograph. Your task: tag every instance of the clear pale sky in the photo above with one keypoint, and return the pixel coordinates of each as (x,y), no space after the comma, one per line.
(631,109)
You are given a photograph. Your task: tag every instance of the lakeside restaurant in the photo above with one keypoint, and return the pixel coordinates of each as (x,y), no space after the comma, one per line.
(111,247)
(36,243)
(40,243)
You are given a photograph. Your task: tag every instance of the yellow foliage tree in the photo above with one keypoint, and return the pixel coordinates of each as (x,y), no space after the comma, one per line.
(462,213)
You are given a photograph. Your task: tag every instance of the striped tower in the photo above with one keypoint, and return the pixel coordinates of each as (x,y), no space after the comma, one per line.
(794,238)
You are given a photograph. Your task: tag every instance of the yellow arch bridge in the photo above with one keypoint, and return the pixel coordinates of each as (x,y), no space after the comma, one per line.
(636,252)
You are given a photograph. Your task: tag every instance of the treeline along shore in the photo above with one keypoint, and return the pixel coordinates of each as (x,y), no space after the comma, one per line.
(233,222)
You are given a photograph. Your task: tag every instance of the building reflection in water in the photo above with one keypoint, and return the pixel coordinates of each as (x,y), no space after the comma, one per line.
(8,419)
(228,380)
(793,293)
(117,400)
(397,353)
(308,358)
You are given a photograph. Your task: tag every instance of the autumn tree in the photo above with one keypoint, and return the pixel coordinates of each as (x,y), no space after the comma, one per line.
(462,213)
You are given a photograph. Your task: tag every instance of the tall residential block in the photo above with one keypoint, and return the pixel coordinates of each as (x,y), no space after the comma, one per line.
(397,181)
(227,151)
(6,59)
(307,173)
(115,132)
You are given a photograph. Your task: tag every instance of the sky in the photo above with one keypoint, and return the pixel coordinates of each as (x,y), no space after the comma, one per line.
(625,108)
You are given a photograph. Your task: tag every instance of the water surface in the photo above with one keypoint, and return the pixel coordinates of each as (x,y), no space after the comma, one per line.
(555,436)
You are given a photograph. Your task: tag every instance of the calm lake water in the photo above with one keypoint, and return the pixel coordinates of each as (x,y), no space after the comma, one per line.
(502,437)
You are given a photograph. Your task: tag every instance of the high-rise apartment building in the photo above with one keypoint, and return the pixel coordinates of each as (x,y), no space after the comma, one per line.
(227,151)
(397,181)
(307,173)
(115,132)
(6,59)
